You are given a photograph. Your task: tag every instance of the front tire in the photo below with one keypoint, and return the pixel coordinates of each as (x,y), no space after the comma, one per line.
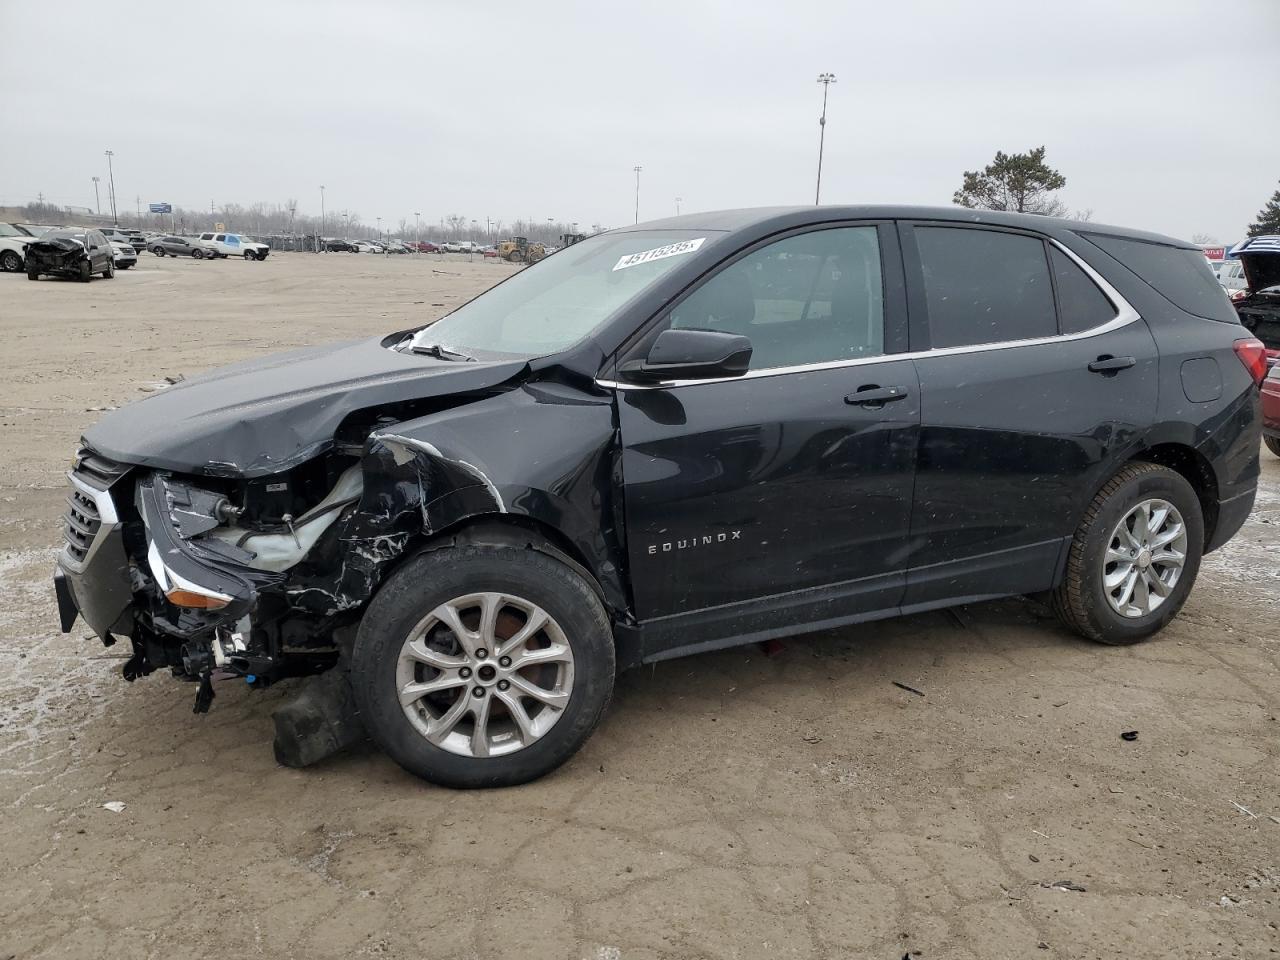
(1273,444)
(483,665)
(10,261)
(1134,557)
(197,254)
(86,272)
(158,251)
(33,274)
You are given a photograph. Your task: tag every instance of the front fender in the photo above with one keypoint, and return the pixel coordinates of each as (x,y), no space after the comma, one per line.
(544,451)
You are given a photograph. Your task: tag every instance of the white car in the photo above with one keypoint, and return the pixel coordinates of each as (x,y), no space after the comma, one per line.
(368,246)
(124,255)
(1231,275)
(234,245)
(13,247)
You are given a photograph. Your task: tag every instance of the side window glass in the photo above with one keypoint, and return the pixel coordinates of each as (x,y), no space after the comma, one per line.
(1081,305)
(982,286)
(812,298)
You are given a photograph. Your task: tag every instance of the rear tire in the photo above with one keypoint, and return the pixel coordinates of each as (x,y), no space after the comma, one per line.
(158,251)
(110,271)
(1083,600)
(1273,444)
(504,752)
(197,254)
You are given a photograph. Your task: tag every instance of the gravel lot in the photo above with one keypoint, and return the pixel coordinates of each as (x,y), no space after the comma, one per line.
(731,805)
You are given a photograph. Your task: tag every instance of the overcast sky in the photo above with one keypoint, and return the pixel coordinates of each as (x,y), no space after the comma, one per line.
(1161,115)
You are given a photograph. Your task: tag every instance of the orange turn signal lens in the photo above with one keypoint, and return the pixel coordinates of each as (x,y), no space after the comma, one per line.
(196,601)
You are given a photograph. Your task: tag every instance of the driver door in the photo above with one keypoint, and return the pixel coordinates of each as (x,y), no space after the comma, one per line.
(779,498)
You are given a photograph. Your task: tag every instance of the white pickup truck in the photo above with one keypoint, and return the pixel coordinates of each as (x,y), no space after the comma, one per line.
(234,245)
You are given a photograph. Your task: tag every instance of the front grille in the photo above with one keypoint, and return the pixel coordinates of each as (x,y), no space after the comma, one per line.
(97,471)
(87,504)
(83,523)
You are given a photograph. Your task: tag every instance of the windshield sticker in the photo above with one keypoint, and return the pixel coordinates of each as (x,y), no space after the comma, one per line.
(659,253)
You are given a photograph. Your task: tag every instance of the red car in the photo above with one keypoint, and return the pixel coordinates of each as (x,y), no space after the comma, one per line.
(423,246)
(1271,410)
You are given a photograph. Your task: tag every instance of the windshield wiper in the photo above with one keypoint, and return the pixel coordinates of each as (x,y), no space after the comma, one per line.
(440,353)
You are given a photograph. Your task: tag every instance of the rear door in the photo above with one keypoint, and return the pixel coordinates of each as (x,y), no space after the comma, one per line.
(778,497)
(1035,377)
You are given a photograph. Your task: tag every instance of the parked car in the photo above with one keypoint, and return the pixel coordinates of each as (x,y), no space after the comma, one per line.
(712,430)
(1271,410)
(1231,275)
(369,246)
(136,239)
(78,254)
(451,246)
(180,247)
(425,246)
(489,251)
(235,245)
(13,247)
(340,246)
(124,255)
(1258,304)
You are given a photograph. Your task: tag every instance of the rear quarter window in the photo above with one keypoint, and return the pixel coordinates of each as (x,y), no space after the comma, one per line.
(1179,275)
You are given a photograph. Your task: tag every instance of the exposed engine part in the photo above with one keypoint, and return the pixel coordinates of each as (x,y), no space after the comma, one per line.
(318,722)
(280,551)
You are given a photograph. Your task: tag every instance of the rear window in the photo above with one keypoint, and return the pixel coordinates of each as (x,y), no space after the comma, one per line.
(1179,275)
(985,287)
(1081,305)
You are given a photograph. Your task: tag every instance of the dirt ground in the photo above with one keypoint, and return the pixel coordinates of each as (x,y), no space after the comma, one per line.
(731,805)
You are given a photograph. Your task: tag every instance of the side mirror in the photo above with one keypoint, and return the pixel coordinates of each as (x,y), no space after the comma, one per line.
(691,355)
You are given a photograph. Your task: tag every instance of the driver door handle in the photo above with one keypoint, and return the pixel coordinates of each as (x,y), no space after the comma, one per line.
(874,395)
(1111,364)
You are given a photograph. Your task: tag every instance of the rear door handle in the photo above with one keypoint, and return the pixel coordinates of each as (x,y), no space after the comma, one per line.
(874,395)
(1111,364)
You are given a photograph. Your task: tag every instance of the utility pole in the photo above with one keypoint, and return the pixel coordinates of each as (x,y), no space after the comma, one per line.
(138,201)
(826,79)
(637,168)
(321,233)
(97,201)
(417,230)
(111,181)
(678,199)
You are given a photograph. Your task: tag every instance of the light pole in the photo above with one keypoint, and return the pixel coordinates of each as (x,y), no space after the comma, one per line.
(321,234)
(379,219)
(826,79)
(97,201)
(637,168)
(111,180)
(678,199)
(417,230)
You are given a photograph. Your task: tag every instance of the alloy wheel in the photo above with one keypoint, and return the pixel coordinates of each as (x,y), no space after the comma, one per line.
(1145,556)
(485,674)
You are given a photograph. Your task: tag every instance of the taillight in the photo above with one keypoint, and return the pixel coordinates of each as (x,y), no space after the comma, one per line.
(1235,296)
(1254,357)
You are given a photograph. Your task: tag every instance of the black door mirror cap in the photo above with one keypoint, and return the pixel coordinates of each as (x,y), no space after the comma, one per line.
(688,354)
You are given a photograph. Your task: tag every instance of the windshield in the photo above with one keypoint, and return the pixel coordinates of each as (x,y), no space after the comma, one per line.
(9,230)
(554,304)
(64,234)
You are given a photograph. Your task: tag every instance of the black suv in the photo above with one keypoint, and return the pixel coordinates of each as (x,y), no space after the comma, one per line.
(666,439)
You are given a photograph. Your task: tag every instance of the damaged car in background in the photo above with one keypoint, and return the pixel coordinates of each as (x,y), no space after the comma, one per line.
(696,433)
(75,254)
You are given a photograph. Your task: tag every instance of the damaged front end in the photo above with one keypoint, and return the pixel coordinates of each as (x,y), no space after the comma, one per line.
(200,573)
(59,256)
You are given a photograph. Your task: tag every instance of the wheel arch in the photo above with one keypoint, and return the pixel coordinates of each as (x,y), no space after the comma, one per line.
(1194,467)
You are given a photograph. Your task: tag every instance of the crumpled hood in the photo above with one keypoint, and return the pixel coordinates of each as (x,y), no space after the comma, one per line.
(56,245)
(265,415)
